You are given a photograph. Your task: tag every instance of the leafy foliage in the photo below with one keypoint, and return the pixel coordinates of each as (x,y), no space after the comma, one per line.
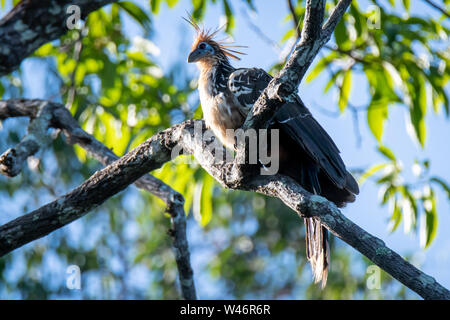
(244,245)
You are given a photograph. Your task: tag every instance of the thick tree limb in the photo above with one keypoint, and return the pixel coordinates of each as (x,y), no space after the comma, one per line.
(283,87)
(11,161)
(32,23)
(45,114)
(287,81)
(437,7)
(156,151)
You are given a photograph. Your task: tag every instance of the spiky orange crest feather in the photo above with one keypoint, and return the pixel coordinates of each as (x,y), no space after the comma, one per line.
(206,35)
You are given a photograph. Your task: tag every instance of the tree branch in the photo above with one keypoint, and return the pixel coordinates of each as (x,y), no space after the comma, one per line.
(49,114)
(437,7)
(286,83)
(156,151)
(11,161)
(294,18)
(284,86)
(31,23)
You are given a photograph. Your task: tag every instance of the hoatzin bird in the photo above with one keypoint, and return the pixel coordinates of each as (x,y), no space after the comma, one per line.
(307,153)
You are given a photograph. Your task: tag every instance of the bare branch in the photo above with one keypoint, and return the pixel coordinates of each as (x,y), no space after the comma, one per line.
(312,24)
(155,151)
(30,24)
(49,114)
(437,7)
(11,161)
(285,84)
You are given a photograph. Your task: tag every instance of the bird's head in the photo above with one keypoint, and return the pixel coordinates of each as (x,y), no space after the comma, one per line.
(206,49)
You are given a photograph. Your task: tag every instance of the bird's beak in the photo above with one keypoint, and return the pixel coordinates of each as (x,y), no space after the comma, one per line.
(195,56)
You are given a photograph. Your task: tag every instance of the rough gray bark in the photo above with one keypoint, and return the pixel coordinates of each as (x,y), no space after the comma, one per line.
(283,87)
(157,150)
(32,23)
(45,114)
(285,84)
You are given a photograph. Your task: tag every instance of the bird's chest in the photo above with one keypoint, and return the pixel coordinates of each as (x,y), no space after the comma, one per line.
(219,111)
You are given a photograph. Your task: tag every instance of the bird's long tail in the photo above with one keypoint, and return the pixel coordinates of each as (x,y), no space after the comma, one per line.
(317,250)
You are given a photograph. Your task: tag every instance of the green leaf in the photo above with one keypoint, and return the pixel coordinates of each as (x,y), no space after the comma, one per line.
(372,170)
(154,5)
(206,199)
(136,13)
(419,109)
(198,114)
(289,34)
(345,90)
(396,217)
(171,3)
(45,50)
(409,209)
(322,64)
(199,9)
(406,4)
(387,152)
(229,15)
(431,221)
(443,185)
(340,34)
(331,81)
(377,114)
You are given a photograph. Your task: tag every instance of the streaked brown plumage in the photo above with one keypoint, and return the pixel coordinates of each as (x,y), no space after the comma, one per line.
(307,153)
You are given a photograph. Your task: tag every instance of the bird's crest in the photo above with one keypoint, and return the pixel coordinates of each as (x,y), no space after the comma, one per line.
(207,35)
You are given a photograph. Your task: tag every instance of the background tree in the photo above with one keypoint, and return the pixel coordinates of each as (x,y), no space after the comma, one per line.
(244,245)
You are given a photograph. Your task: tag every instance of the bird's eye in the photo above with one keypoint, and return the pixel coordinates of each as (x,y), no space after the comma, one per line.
(202,46)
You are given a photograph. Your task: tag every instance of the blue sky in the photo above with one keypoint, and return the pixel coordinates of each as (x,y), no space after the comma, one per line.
(171,31)
(173,37)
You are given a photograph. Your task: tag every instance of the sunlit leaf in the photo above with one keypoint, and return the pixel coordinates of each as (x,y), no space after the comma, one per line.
(171,3)
(396,217)
(154,5)
(406,4)
(431,221)
(345,90)
(206,200)
(137,13)
(443,185)
(372,170)
(377,114)
(387,152)
(419,109)
(229,14)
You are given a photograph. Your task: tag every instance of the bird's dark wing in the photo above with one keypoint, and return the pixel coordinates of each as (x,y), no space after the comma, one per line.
(296,120)
(246,86)
(299,123)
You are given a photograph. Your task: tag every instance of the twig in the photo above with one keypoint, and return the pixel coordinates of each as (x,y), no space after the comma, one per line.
(30,24)
(434,5)
(284,86)
(78,47)
(12,160)
(295,19)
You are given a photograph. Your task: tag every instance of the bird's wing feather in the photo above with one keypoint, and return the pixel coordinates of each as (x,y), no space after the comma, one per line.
(247,84)
(299,123)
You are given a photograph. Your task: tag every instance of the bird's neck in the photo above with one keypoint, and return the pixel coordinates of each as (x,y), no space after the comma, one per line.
(214,74)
